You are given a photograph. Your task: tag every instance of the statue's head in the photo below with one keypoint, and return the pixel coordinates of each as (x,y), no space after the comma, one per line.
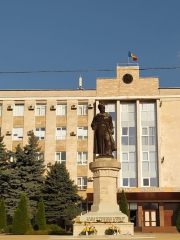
(101,107)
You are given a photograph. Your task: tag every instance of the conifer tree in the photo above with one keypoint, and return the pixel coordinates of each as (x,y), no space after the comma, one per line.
(60,194)
(123,204)
(3,220)
(21,220)
(13,189)
(40,220)
(25,176)
(178,222)
(4,167)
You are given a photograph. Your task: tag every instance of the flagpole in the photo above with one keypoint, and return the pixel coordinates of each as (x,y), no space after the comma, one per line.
(128,59)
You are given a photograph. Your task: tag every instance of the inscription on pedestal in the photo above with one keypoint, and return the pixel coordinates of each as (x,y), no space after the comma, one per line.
(105,219)
(104,190)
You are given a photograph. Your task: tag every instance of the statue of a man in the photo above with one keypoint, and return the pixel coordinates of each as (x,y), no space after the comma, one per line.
(102,125)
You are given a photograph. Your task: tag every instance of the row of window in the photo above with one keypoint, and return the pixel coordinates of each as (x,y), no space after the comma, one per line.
(40,109)
(148,144)
(60,157)
(128,142)
(82,133)
(82,158)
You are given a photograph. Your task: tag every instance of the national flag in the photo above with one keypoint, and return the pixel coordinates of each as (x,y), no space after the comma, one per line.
(131,55)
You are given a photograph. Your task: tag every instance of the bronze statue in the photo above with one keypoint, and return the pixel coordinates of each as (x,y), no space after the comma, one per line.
(102,125)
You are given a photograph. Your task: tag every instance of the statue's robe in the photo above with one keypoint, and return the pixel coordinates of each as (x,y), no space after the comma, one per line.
(104,143)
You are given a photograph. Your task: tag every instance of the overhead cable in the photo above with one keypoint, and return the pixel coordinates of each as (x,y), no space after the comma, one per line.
(87,70)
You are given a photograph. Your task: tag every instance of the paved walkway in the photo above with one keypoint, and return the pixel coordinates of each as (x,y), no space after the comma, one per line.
(160,236)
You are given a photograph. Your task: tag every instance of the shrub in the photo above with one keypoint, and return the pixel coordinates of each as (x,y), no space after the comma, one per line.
(2,230)
(56,230)
(178,222)
(53,227)
(3,221)
(40,220)
(9,229)
(38,232)
(21,221)
(123,204)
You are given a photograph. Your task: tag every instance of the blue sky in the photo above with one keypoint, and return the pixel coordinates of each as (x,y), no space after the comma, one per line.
(37,35)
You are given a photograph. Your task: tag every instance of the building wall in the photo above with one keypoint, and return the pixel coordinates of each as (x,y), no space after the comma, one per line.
(138,87)
(108,90)
(170,142)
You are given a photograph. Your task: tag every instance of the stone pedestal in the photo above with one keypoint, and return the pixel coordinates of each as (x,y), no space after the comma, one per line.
(125,228)
(105,210)
(105,173)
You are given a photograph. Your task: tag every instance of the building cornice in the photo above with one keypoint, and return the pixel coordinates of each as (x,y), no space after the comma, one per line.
(89,98)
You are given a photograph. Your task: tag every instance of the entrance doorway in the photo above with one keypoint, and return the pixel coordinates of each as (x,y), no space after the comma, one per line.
(132,214)
(150,214)
(150,218)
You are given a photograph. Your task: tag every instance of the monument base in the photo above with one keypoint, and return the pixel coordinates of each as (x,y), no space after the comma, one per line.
(101,221)
(104,217)
(106,207)
(125,228)
(105,210)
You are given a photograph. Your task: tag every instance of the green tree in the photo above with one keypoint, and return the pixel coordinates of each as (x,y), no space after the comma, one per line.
(25,175)
(123,203)
(178,222)
(21,220)
(13,189)
(4,167)
(3,220)
(40,220)
(60,195)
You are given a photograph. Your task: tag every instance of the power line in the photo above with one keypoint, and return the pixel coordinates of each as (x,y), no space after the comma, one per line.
(87,70)
(62,71)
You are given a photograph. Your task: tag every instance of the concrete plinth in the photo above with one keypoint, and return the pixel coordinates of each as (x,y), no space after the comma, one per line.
(105,210)
(105,172)
(125,228)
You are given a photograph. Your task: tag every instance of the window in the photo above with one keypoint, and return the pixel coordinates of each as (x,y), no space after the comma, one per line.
(61,109)
(0,109)
(60,133)
(132,206)
(148,206)
(40,133)
(82,133)
(84,207)
(111,109)
(82,158)
(13,159)
(82,183)
(148,136)
(40,156)
(60,157)
(148,145)
(18,110)
(17,134)
(128,136)
(129,169)
(128,145)
(40,109)
(82,109)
